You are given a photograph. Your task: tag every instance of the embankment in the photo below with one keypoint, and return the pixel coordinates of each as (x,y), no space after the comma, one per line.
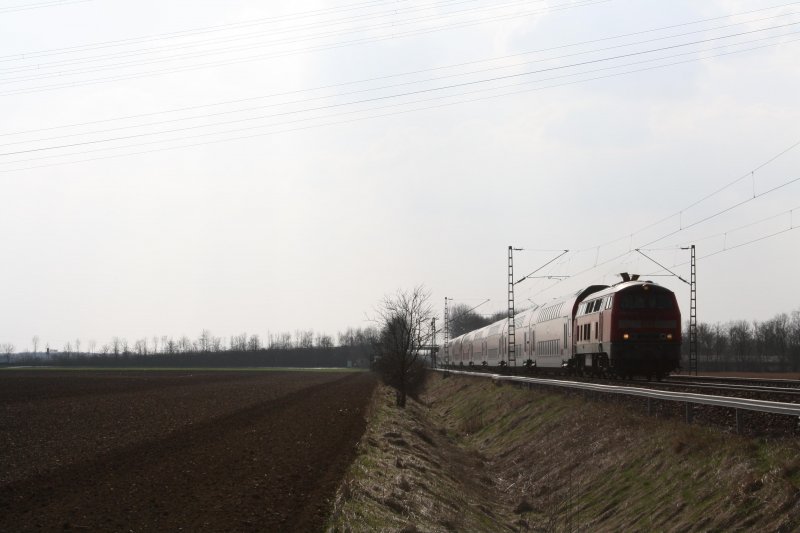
(473,456)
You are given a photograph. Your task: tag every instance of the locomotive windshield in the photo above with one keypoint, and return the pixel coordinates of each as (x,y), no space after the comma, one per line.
(631,300)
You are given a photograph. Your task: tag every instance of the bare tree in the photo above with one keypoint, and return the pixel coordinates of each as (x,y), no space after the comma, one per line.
(740,336)
(35,342)
(204,341)
(284,341)
(77,346)
(463,319)
(217,344)
(140,347)
(254,344)
(347,338)
(404,330)
(304,338)
(239,342)
(323,341)
(184,345)
(92,345)
(168,345)
(7,349)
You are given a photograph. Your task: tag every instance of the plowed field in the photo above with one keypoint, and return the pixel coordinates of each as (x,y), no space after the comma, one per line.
(191,451)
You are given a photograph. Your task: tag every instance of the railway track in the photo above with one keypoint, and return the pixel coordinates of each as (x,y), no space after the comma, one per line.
(770,384)
(782,390)
(745,409)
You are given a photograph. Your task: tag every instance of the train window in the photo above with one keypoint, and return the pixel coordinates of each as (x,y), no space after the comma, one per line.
(595,330)
(608,302)
(645,300)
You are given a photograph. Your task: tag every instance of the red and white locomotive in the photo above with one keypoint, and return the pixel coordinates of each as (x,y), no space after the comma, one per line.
(630,328)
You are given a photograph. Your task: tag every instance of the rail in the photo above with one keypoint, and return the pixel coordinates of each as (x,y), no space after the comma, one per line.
(689,398)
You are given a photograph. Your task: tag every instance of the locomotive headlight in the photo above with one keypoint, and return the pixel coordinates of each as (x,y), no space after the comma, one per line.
(626,336)
(669,336)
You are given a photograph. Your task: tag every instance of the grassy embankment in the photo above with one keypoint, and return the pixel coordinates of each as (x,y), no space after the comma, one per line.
(472,456)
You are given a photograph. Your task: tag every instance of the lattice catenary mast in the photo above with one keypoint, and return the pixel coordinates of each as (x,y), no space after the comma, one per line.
(512,355)
(693,314)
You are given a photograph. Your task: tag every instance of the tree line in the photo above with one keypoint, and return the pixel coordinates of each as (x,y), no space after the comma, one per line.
(303,348)
(740,346)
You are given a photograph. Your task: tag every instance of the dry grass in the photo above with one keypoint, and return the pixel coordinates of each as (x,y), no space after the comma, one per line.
(483,458)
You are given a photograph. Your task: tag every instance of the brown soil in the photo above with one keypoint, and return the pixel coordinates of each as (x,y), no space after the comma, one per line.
(146,451)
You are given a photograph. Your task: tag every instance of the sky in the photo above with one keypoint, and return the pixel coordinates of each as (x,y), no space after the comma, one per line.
(260,167)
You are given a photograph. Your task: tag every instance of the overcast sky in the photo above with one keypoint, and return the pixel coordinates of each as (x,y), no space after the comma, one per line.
(168,167)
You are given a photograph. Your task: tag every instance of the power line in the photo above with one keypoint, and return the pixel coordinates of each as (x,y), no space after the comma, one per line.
(387,97)
(394,35)
(288,93)
(366,90)
(40,5)
(181,33)
(349,120)
(271,32)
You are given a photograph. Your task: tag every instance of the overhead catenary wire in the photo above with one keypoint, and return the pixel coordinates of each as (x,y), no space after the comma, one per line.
(747,174)
(730,231)
(734,247)
(705,219)
(727,209)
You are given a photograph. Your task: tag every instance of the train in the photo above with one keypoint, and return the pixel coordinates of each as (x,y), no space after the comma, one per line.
(629,329)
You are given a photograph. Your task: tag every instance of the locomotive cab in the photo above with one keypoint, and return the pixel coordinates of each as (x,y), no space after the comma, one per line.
(632,328)
(645,336)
